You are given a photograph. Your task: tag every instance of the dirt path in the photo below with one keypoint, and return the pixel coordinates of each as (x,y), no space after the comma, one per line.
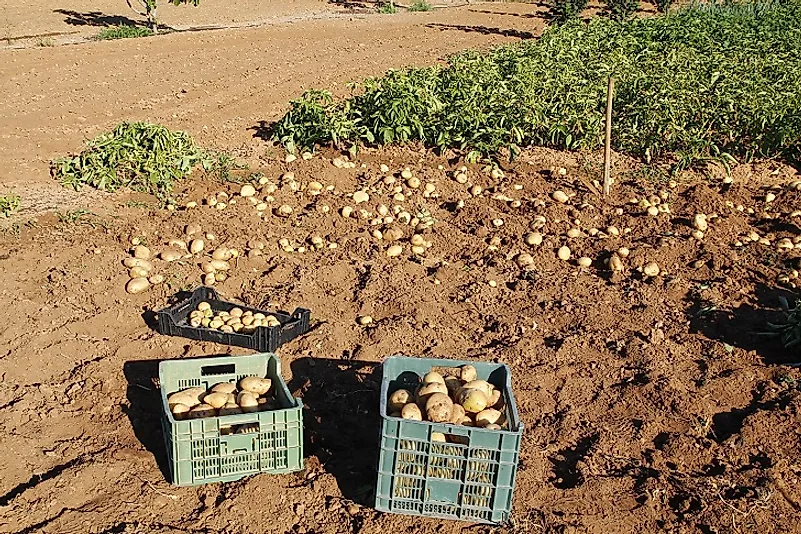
(218,85)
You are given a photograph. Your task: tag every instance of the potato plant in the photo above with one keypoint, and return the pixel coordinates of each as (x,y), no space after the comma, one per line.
(147,9)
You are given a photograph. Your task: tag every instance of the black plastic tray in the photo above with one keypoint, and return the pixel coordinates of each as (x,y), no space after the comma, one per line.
(172,321)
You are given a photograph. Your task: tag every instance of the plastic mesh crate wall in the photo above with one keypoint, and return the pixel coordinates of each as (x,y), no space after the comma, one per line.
(473,481)
(226,448)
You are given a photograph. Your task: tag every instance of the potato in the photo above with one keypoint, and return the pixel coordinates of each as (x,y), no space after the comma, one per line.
(467,421)
(481,385)
(453,384)
(221,253)
(171,255)
(138,272)
(179,410)
(496,400)
(412,411)
(196,246)
(256,385)
(141,252)
(217,400)
(492,427)
(429,389)
(247,401)
(439,407)
(230,408)
(137,285)
(490,416)
(399,399)
(220,265)
(468,373)
(457,414)
(224,387)
(473,400)
(137,262)
(202,410)
(191,397)
(438,437)
(433,376)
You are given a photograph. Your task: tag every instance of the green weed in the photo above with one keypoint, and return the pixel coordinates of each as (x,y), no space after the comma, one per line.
(80,216)
(621,9)
(45,42)
(699,84)
(420,5)
(8,204)
(123,31)
(145,157)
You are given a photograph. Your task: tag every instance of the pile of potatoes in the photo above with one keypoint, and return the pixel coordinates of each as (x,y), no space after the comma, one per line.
(460,400)
(235,320)
(253,394)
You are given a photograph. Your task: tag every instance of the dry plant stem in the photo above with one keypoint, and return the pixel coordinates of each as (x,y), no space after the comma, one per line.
(608,143)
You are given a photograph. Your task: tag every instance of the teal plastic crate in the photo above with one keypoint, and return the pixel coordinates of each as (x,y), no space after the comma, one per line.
(227,448)
(472,480)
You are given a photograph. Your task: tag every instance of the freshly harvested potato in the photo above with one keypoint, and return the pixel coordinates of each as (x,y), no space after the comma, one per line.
(171,255)
(230,408)
(137,285)
(481,385)
(453,384)
(399,399)
(220,265)
(221,253)
(468,373)
(190,397)
(412,411)
(256,385)
(439,407)
(216,400)
(137,262)
(179,410)
(438,437)
(457,414)
(248,402)
(202,410)
(138,272)
(496,400)
(492,427)
(433,376)
(490,416)
(473,400)
(224,387)
(467,421)
(429,389)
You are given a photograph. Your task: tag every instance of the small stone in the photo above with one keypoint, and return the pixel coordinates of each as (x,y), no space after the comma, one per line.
(770,197)
(360,196)
(563,253)
(284,210)
(560,196)
(651,269)
(247,191)
(492,283)
(497,223)
(394,251)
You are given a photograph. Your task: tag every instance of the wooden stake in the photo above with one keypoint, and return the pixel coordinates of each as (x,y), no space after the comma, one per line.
(608,146)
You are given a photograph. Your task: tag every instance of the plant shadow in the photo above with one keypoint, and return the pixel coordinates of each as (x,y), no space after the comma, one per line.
(341,420)
(485,30)
(96,18)
(538,15)
(263,130)
(744,327)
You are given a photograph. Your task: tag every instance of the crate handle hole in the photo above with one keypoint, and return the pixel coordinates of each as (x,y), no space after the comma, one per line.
(457,439)
(244,428)
(227,369)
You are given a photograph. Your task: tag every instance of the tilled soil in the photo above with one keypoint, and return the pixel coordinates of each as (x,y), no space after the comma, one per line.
(649,404)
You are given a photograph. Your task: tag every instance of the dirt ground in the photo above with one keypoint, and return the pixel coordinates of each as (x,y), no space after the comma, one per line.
(650,405)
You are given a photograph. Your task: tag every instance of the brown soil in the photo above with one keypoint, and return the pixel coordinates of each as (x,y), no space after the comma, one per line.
(650,405)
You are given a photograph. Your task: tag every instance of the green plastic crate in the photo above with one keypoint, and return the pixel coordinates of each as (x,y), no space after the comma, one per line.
(471,482)
(227,448)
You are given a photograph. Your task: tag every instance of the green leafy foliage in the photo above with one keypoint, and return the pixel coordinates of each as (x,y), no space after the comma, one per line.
(387,8)
(143,156)
(621,9)
(8,204)
(789,330)
(123,31)
(563,10)
(703,83)
(420,5)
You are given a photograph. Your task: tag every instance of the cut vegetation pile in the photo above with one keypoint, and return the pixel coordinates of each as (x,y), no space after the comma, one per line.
(707,82)
(145,157)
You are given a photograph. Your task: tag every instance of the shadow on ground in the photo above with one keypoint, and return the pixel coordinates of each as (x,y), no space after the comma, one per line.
(96,18)
(483,30)
(144,408)
(744,326)
(341,420)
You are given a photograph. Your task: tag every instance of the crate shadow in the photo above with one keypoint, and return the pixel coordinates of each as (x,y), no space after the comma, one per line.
(341,420)
(144,409)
